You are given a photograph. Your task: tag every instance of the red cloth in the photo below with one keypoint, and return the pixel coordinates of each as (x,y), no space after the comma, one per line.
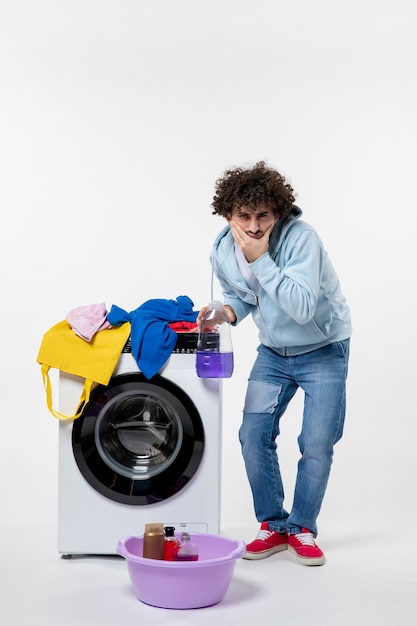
(183,326)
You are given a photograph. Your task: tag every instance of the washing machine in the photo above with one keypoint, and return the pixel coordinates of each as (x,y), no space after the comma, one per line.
(142,451)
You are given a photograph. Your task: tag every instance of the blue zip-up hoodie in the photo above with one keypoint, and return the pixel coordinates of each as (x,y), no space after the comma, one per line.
(300,306)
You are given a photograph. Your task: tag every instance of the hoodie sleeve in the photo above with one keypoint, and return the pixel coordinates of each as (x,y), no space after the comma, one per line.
(294,284)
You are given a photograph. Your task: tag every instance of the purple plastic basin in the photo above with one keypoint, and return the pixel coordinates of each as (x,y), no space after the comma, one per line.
(187,584)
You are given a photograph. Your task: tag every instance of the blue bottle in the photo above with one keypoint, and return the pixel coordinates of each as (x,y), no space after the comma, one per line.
(214,347)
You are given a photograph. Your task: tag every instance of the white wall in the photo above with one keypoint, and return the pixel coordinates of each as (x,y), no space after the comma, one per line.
(116,118)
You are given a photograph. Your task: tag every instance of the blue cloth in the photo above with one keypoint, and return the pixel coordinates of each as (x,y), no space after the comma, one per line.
(151,337)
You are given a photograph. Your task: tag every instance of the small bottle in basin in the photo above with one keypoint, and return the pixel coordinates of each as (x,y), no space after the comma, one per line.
(171,544)
(187,550)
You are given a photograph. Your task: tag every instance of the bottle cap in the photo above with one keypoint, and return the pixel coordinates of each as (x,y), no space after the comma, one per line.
(154,529)
(215,304)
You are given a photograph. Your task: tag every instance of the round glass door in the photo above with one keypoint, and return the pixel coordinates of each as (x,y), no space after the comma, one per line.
(138,441)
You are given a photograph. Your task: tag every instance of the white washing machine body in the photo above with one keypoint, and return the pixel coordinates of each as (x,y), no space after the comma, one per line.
(92,523)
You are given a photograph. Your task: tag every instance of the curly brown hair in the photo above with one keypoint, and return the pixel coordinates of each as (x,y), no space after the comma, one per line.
(252,187)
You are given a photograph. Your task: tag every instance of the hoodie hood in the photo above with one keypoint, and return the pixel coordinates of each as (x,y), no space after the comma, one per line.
(281,228)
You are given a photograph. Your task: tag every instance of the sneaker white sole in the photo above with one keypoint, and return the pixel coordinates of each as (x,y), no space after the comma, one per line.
(256,556)
(320,560)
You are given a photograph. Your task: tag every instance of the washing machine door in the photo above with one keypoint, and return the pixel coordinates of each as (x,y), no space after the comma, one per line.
(138,441)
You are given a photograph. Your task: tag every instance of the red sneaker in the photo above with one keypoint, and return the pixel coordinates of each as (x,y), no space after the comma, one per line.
(267,542)
(305,548)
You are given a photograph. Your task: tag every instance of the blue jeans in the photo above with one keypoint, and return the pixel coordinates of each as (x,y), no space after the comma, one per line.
(273,381)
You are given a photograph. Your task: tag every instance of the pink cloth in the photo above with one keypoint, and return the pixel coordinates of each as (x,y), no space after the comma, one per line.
(87,320)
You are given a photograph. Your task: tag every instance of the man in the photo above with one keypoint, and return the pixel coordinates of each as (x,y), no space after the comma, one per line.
(273,265)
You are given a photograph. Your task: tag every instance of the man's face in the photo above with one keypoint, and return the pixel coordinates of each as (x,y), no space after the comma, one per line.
(254,221)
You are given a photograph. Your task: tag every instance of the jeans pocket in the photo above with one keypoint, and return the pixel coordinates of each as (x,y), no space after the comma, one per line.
(344,346)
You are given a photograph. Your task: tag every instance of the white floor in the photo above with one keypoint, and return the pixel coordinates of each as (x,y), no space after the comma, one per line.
(368,579)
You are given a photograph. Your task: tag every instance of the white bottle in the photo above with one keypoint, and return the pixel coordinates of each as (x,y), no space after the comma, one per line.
(187,551)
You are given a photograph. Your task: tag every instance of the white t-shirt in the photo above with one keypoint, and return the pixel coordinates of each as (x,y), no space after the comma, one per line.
(248,275)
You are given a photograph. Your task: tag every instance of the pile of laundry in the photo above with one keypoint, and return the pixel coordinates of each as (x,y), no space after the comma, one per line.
(153,327)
